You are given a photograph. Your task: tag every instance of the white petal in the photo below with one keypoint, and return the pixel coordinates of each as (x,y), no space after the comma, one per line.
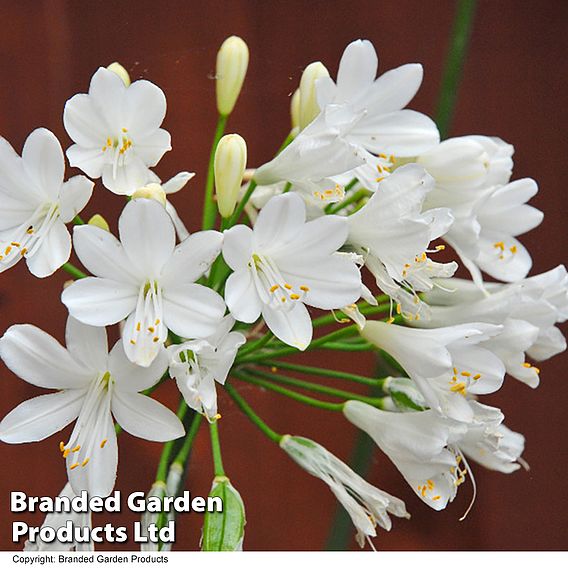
(181,230)
(87,344)
(84,123)
(241,296)
(144,109)
(44,162)
(107,92)
(293,327)
(53,252)
(134,378)
(126,178)
(192,258)
(100,301)
(74,196)
(153,147)
(145,417)
(40,417)
(237,246)
(357,69)
(103,255)
(89,160)
(192,310)
(173,185)
(40,360)
(147,235)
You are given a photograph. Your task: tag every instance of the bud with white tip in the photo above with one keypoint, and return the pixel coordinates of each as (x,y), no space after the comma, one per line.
(119,70)
(230,163)
(151,191)
(308,103)
(100,222)
(295,111)
(232,63)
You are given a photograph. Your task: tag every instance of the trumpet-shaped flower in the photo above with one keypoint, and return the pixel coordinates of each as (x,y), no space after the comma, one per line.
(367,505)
(286,263)
(196,365)
(36,204)
(116,130)
(93,386)
(146,279)
(447,363)
(420,444)
(392,235)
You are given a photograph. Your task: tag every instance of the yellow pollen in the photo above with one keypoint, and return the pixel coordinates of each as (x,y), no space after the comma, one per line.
(274,369)
(499,245)
(138,326)
(459,387)
(109,142)
(74,465)
(387,169)
(14,244)
(527,365)
(513,249)
(157,322)
(274,288)
(455,371)
(423,257)
(398,309)
(85,462)
(383,156)
(30,231)
(536,370)
(435,498)
(76,448)
(61,446)
(133,342)
(379,179)
(441,247)
(416,317)
(8,250)
(465,374)
(430,484)
(423,492)
(391,159)
(390,320)
(103,443)
(304,289)
(287,286)
(151,329)
(329,191)
(217,416)
(155,339)
(23,251)
(476,377)
(125,130)
(294,297)
(283,299)
(66,452)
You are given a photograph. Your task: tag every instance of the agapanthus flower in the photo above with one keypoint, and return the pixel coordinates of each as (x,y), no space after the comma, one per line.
(367,505)
(36,204)
(447,364)
(146,279)
(116,130)
(93,386)
(285,263)
(196,366)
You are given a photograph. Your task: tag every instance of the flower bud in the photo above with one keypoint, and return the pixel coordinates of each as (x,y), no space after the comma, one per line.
(295,109)
(224,530)
(309,107)
(230,163)
(232,63)
(151,191)
(120,71)
(99,221)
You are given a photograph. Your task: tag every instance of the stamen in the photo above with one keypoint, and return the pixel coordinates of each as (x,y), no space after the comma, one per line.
(85,462)
(103,443)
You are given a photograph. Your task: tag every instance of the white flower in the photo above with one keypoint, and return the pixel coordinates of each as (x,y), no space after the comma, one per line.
(93,386)
(59,520)
(446,363)
(196,365)
(420,444)
(116,130)
(36,204)
(392,235)
(286,263)
(147,279)
(367,505)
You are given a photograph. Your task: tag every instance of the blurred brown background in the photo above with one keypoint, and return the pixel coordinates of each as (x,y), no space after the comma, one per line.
(514,86)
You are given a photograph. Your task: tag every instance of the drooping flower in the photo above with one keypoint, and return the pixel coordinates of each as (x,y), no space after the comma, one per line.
(196,365)
(116,130)
(420,445)
(36,204)
(446,364)
(59,520)
(147,279)
(93,386)
(286,263)
(392,234)
(367,505)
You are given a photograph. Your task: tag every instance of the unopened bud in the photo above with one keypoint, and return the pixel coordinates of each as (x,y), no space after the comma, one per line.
(295,109)
(309,107)
(232,63)
(151,191)
(230,163)
(99,221)
(120,71)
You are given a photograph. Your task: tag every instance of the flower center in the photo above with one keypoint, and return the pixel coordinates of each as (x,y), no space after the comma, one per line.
(91,423)
(271,286)
(116,148)
(28,237)
(504,253)
(461,381)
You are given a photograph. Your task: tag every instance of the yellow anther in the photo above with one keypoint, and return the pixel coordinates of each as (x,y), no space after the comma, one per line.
(157,322)
(294,297)
(459,387)
(15,244)
(436,497)
(441,247)
(8,250)
(287,286)
(387,169)
(423,492)
(416,317)
(390,320)
(513,249)
(283,299)
(379,179)
(423,257)
(274,288)
(304,289)
(527,365)
(329,191)
(465,374)
(383,156)
(155,339)
(430,484)
(85,462)
(455,371)
(76,449)
(274,369)
(379,168)
(536,370)
(391,159)
(61,447)
(151,329)
(217,416)
(476,377)
(398,309)
(30,231)
(500,245)
(23,251)
(133,342)
(74,465)
(103,443)
(125,130)
(138,326)
(66,452)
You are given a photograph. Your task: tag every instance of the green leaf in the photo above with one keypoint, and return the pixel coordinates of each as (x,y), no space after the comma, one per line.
(223,531)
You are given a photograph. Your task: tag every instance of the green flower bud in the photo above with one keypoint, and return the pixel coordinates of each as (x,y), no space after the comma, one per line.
(232,63)
(229,166)
(120,71)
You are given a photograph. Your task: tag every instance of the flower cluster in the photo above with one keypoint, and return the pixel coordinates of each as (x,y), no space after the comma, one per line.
(362,188)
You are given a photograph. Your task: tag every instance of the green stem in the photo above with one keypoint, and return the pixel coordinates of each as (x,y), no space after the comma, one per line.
(314,387)
(74,271)
(209,206)
(286,142)
(251,414)
(342,346)
(290,394)
(164,464)
(451,77)
(365,309)
(234,218)
(216,449)
(355,196)
(256,345)
(331,373)
(183,453)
